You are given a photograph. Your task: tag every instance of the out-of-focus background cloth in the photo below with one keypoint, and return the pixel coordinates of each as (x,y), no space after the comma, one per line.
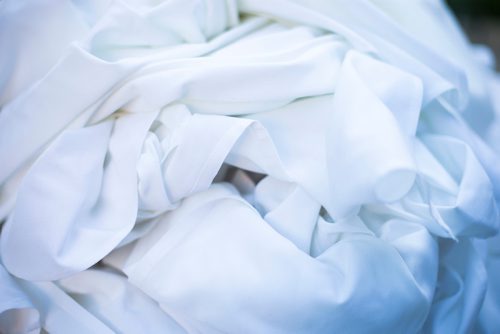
(481,21)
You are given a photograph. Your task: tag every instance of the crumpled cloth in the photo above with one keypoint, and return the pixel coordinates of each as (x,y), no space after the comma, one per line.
(246,166)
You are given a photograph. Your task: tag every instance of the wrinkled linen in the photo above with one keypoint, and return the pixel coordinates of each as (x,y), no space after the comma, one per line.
(223,166)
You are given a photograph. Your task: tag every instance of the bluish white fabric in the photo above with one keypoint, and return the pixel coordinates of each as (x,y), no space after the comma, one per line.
(251,166)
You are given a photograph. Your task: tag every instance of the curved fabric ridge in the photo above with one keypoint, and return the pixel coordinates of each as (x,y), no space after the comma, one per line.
(416,245)
(204,142)
(453,196)
(59,313)
(376,126)
(442,33)
(379,35)
(91,214)
(441,118)
(326,286)
(300,158)
(311,60)
(117,303)
(24,31)
(461,290)
(289,210)
(8,192)
(475,212)
(263,145)
(21,115)
(160,25)
(313,66)
(17,312)
(328,232)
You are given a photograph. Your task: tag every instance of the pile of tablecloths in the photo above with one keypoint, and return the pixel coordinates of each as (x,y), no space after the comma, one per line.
(250,166)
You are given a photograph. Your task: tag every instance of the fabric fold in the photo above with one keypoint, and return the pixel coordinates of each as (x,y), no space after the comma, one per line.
(262,262)
(91,214)
(378,128)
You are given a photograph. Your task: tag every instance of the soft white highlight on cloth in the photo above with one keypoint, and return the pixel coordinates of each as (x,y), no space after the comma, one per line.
(252,166)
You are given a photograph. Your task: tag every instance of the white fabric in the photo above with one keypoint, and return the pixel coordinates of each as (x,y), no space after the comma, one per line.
(117,303)
(17,313)
(223,166)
